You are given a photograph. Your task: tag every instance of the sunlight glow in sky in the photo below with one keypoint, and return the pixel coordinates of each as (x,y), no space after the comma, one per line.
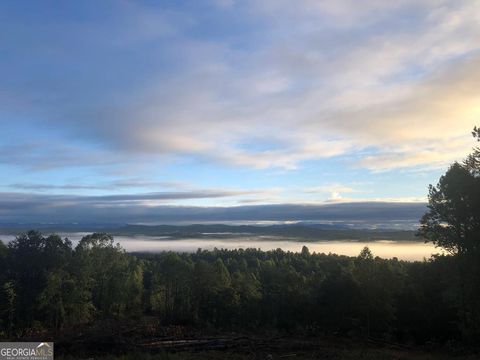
(229,102)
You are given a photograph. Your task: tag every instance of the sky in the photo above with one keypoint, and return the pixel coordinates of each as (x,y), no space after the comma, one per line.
(143,104)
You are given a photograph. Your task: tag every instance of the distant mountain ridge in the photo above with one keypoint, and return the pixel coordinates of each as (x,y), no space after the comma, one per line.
(301,231)
(305,232)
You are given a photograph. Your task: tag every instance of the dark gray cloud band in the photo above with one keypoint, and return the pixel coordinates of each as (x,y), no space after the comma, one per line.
(117,209)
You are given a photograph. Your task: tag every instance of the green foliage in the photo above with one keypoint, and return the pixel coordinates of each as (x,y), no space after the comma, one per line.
(453,219)
(113,278)
(31,258)
(226,289)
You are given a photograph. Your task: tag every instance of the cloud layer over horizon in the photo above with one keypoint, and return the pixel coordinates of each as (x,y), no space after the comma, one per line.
(19,208)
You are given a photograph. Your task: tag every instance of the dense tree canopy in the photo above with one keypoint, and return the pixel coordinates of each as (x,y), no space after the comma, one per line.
(249,290)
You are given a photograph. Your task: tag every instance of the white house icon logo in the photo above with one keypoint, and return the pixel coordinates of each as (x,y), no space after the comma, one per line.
(44,351)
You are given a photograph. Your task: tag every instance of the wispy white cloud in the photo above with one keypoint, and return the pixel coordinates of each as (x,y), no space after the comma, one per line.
(395,83)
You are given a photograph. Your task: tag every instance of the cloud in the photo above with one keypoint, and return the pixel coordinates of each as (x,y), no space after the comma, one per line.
(18,208)
(15,206)
(428,127)
(112,185)
(394,84)
(335,191)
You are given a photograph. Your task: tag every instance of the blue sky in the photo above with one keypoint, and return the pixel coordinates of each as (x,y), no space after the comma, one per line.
(228,102)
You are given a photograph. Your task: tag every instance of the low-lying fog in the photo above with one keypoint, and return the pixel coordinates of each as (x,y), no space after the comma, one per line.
(404,250)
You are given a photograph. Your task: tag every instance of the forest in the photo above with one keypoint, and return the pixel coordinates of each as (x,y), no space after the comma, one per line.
(50,288)
(48,285)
